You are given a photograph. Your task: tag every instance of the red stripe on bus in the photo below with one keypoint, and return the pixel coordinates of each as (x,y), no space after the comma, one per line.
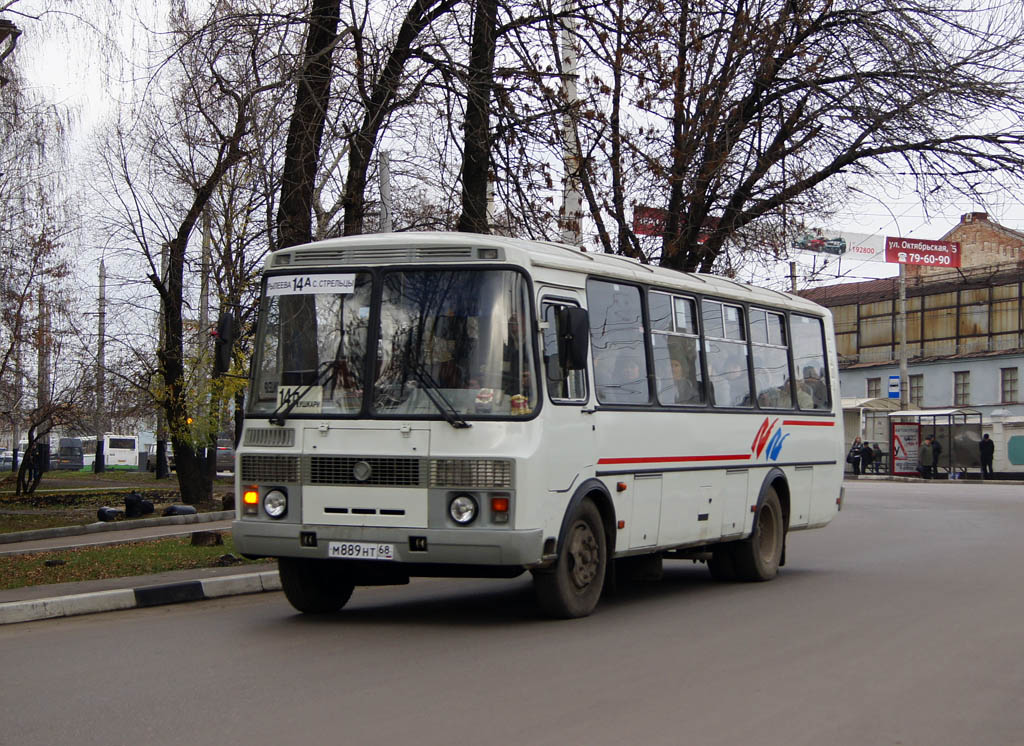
(673,459)
(809,423)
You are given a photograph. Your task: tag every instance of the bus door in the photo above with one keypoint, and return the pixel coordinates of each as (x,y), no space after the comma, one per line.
(568,421)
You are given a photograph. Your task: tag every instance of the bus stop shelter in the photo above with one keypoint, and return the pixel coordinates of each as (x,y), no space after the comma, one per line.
(861,419)
(957,431)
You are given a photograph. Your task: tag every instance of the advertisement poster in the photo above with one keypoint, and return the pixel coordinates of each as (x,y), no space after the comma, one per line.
(859,246)
(922,251)
(906,436)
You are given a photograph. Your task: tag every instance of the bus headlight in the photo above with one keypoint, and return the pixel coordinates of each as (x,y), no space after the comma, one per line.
(275,502)
(463,509)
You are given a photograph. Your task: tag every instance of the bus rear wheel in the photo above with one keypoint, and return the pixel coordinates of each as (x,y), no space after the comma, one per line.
(572,588)
(758,557)
(314,586)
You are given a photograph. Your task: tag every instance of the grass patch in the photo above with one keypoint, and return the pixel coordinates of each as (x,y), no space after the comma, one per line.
(29,521)
(78,508)
(114,561)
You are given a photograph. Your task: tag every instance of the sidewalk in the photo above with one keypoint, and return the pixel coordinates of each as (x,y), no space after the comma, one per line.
(69,599)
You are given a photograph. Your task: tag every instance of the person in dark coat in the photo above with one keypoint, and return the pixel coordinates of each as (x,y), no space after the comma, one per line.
(853,457)
(988,450)
(926,457)
(866,457)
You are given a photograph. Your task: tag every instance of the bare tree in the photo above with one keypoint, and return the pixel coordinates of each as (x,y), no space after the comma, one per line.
(730,112)
(168,167)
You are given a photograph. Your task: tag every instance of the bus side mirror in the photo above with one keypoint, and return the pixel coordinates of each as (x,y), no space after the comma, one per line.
(224,340)
(573,337)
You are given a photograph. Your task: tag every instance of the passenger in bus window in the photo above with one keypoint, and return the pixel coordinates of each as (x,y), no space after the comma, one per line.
(687,391)
(628,384)
(733,387)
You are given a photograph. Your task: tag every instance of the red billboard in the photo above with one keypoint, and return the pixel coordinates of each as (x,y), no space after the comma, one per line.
(651,221)
(922,251)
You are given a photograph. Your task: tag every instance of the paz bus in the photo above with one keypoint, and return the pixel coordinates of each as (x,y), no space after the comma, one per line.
(450,404)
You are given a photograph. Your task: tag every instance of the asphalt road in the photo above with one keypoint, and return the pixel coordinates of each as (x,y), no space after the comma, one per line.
(899,624)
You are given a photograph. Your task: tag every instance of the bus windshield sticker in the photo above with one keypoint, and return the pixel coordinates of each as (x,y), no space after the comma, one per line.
(311,284)
(311,403)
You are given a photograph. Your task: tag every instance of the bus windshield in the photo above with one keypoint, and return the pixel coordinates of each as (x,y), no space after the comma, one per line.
(450,344)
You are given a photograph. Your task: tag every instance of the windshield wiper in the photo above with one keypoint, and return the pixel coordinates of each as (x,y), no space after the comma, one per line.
(285,407)
(433,391)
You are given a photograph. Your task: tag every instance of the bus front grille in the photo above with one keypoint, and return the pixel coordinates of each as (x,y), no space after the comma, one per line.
(263,437)
(371,471)
(259,468)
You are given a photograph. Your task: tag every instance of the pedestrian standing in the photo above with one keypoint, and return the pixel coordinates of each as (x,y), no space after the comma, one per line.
(876,457)
(926,458)
(853,457)
(988,450)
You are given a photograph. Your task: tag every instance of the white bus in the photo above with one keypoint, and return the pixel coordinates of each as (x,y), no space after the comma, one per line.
(119,451)
(435,404)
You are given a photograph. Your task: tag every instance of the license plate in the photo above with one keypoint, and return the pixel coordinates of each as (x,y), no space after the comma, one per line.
(360,550)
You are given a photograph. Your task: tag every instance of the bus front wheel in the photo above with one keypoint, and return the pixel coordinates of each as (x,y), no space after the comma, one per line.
(758,557)
(573,586)
(314,586)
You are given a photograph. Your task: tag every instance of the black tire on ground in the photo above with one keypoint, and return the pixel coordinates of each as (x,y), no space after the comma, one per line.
(314,586)
(573,586)
(758,557)
(722,564)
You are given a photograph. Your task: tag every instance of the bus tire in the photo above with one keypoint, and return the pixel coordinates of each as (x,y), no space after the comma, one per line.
(758,557)
(572,588)
(314,586)
(722,564)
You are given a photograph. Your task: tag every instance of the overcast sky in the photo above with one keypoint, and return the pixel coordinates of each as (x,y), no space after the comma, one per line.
(70,71)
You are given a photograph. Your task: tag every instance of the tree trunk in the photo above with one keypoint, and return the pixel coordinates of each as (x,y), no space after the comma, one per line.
(305,132)
(476,155)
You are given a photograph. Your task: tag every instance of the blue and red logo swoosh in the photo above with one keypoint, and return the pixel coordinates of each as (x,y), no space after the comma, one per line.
(768,440)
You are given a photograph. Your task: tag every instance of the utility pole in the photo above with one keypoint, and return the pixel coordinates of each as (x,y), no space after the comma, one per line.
(19,391)
(385,192)
(99,420)
(901,333)
(43,379)
(571,232)
(161,471)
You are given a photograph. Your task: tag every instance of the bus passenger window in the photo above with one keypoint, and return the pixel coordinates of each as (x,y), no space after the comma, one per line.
(617,343)
(676,351)
(728,363)
(771,359)
(809,362)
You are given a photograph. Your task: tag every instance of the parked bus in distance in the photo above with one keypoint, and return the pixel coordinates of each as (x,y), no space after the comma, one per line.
(69,456)
(450,404)
(119,451)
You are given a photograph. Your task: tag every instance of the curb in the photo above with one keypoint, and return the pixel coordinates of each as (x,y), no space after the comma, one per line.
(142,597)
(101,526)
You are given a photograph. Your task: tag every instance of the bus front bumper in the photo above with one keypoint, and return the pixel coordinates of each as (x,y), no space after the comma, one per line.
(413,546)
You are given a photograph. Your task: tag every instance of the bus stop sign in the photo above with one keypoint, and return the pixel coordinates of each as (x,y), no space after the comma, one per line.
(894,387)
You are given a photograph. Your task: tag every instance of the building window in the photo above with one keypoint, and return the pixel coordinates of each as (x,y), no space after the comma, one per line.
(961,388)
(874,388)
(1008,385)
(917,390)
